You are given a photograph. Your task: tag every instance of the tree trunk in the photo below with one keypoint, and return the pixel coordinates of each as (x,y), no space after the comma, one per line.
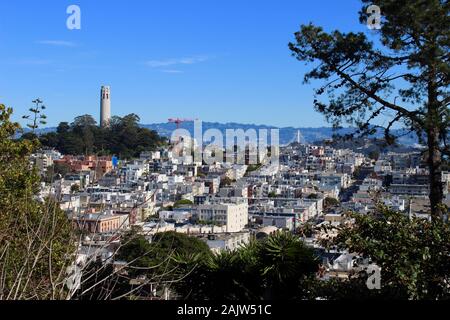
(434,153)
(434,165)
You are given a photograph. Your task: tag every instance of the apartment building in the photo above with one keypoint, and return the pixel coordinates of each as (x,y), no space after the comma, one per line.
(232,215)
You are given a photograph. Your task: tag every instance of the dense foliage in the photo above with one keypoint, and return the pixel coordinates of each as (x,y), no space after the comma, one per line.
(401,79)
(277,268)
(123,137)
(413,253)
(154,258)
(182,202)
(147,266)
(36,244)
(329,202)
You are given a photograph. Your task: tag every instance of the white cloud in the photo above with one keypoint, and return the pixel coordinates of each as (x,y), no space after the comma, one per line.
(57,43)
(175,61)
(172,71)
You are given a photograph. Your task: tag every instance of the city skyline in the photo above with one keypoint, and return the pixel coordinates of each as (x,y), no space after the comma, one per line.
(229,72)
(215,153)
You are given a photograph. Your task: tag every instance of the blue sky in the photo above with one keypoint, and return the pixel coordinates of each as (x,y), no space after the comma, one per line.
(216,60)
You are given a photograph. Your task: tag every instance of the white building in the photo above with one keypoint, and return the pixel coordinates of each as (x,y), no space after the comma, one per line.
(227,242)
(178,216)
(134,171)
(286,223)
(342,180)
(383,166)
(44,159)
(233,216)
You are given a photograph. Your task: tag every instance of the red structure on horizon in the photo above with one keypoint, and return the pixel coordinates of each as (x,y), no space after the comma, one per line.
(179,121)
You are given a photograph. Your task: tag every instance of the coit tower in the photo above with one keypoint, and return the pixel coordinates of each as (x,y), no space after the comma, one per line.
(105,106)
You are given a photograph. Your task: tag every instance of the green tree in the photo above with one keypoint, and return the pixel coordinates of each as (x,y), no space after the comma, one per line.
(284,262)
(306,230)
(277,268)
(29,136)
(403,75)
(252,167)
(50,140)
(155,258)
(74,188)
(63,128)
(182,202)
(413,254)
(138,252)
(179,243)
(330,202)
(83,122)
(60,169)
(225,181)
(36,117)
(374,155)
(36,243)
(84,127)
(101,282)
(123,137)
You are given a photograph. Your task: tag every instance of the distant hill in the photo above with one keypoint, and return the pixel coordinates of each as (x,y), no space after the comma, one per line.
(287,134)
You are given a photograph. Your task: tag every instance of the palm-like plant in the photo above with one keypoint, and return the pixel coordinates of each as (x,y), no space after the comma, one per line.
(273,269)
(37,117)
(284,262)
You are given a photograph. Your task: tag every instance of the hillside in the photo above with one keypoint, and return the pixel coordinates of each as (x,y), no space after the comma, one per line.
(287,134)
